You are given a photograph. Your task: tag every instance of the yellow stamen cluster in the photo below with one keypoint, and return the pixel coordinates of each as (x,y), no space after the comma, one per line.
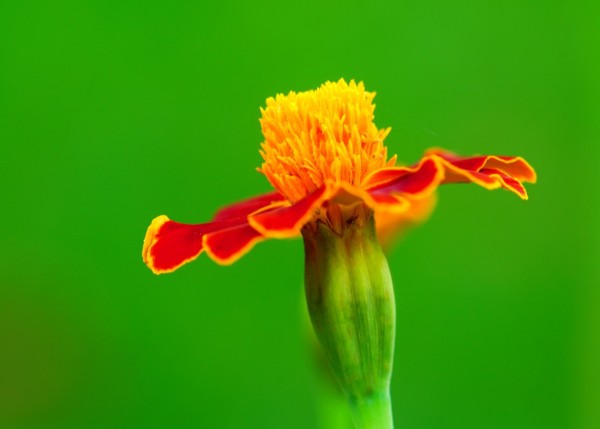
(318,136)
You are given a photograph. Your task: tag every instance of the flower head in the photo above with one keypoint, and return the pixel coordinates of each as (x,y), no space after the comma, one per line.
(328,164)
(321,136)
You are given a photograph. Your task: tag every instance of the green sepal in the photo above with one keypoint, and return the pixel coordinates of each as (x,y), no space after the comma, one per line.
(350,299)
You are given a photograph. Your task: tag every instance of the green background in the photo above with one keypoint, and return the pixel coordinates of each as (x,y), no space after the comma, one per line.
(112,113)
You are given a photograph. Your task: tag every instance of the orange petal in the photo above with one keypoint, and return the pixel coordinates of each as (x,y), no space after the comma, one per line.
(346,194)
(386,175)
(228,245)
(168,245)
(285,222)
(391,226)
(251,205)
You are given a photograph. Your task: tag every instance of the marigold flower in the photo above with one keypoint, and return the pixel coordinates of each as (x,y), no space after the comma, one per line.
(325,158)
(333,182)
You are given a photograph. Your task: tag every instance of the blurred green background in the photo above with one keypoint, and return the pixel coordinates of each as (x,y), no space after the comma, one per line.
(112,113)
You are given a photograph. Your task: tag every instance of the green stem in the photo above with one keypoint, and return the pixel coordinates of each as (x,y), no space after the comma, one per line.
(373,413)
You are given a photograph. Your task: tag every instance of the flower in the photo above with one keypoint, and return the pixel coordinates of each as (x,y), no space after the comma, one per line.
(333,183)
(328,164)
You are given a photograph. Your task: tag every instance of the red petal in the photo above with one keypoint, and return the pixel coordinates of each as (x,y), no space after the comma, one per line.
(394,185)
(168,245)
(514,166)
(286,222)
(506,181)
(246,207)
(228,245)
(491,172)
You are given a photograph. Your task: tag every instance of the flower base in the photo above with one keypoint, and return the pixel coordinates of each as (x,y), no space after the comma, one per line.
(350,299)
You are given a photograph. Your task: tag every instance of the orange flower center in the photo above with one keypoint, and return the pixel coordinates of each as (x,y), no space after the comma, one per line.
(318,136)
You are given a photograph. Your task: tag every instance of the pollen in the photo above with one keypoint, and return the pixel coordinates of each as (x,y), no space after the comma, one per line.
(320,136)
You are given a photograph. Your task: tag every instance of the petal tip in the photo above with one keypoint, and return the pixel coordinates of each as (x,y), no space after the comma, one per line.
(168,245)
(150,239)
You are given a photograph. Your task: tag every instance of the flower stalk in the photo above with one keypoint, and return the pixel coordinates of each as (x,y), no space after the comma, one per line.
(350,299)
